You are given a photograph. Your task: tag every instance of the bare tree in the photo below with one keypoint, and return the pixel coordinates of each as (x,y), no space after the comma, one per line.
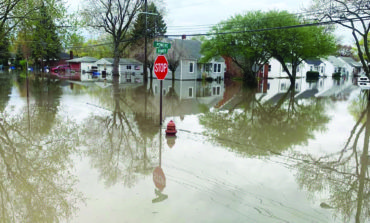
(12,12)
(174,57)
(115,18)
(353,15)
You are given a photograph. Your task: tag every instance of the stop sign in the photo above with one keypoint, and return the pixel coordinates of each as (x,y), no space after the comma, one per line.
(160,67)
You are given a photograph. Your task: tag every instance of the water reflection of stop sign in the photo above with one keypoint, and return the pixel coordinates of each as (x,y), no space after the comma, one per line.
(159,178)
(160,67)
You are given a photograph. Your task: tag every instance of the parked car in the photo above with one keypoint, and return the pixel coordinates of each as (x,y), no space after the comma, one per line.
(364,82)
(60,68)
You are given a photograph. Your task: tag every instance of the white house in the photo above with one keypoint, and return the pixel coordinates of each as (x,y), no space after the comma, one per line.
(130,70)
(353,67)
(275,69)
(82,64)
(316,65)
(187,52)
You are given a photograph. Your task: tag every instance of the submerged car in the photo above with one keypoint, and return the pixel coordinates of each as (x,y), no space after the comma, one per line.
(60,68)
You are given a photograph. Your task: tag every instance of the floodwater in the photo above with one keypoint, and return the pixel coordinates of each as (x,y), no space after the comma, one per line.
(94,151)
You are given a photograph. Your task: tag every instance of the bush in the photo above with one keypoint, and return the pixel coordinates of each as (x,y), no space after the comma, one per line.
(337,74)
(312,75)
(23,64)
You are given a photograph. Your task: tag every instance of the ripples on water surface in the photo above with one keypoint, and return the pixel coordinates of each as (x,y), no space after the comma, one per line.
(86,151)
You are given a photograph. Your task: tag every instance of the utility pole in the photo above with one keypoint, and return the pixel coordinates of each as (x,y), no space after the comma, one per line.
(146,43)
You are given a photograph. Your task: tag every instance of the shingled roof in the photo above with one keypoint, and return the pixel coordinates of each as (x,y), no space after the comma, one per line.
(351,61)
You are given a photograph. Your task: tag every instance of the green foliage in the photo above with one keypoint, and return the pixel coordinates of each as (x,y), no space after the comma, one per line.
(337,74)
(45,40)
(312,75)
(232,39)
(294,45)
(99,48)
(244,48)
(4,48)
(156,26)
(23,64)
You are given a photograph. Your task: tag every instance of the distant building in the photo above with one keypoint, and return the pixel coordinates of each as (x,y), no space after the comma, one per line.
(83,64)
(353,67)
(130,70)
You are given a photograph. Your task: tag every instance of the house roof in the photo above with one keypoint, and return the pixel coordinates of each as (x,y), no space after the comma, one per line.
(315,62)
(335,61)
(351,62)
(83,60)
(129,61)
(190,48)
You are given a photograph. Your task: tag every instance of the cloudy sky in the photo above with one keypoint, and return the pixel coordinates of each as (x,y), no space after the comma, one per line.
(196,16)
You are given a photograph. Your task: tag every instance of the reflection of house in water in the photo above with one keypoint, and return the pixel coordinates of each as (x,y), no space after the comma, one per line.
(188,97)
(271,89)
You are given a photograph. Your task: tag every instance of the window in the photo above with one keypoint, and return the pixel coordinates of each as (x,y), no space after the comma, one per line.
(155,89)
(322,69)
(128,67)
(214,90)
(219,68)
(164,91)
(214,68)
(218,89)
(282,86)
(191,68)
(311,68)
(190,92)
(296,86)
(268,86)
(269,68)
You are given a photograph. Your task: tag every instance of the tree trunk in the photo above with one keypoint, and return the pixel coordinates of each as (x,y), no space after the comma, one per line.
(173,74)
(116,60)
(250,79)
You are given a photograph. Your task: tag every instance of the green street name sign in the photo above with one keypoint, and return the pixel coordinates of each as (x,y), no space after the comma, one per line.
(162,45)
(162,51)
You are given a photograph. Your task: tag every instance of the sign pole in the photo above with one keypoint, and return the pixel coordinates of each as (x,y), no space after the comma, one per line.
(160,70)
(160,102)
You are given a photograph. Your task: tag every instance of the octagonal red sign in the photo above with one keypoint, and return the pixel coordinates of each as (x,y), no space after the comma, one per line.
(160,67)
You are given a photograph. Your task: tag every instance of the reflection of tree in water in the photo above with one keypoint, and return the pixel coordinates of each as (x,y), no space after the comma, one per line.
(253,128)
(36,184)
(47,100)
(344,175)
(6,84)
(118,148)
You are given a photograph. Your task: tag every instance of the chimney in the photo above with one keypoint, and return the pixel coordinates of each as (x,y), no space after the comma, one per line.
(183,37)
(71,55)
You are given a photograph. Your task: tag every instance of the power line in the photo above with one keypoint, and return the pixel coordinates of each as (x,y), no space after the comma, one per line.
(273,28)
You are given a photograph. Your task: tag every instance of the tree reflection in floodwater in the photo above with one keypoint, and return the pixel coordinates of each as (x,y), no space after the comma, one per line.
(121,142)
(35,163)
(343,175)
(6,84)
(253,128)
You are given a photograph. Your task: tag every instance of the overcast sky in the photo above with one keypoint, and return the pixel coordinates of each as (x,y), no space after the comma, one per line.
(195,16)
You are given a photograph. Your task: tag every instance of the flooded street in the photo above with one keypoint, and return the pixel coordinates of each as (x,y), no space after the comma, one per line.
(94,151)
